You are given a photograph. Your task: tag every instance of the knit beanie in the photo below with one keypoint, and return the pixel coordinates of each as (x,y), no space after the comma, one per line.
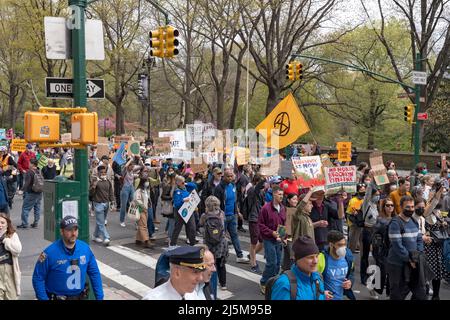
(304,246)
(212,204)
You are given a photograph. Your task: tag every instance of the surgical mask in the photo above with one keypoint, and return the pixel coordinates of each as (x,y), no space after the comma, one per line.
(375,199)
(147,184)
(420,211)
(408,213)
(50,165)
(341,252)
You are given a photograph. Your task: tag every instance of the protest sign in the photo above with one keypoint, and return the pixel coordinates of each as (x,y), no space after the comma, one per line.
(134,148)
(344,151)
(199,131)
(10,134)
(177,138)
(118,140)
(197,165)
(286,169)
(2,134)
(340,178)
(242,155)
(66,137)
(102,150)
(309,171)
(290,212)
(188,208)
(162,145)
(377,165)
(211,157)
(270,165)
(326,162)
(18,145)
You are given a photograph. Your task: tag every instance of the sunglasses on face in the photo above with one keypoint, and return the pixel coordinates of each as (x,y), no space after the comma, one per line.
(388,205)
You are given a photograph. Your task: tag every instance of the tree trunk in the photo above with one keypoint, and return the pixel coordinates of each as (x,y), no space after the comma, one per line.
(13,91)
(273,98)
(220,106)
(237,85)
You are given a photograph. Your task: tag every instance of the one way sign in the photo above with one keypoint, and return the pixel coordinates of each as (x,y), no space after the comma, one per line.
(61,88)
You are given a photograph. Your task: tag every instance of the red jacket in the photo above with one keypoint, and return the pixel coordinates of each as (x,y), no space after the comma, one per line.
(269,219)
(24,161)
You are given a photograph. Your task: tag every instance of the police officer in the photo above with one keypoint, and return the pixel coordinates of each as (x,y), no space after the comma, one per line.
(60,272)
(186,272)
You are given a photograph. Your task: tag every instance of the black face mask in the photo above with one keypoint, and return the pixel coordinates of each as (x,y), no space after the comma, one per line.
(408,213)
(420,211)
(361,194)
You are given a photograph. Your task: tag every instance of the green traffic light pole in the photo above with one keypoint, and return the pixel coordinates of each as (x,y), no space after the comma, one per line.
(416,89)
(80,100)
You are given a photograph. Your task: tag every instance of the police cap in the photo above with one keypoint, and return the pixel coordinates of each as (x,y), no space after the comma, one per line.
(68,222)
(188,256)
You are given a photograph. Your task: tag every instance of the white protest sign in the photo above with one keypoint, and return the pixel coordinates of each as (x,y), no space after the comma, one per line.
(177,139)
(309,171)
(188,208)
(338,178)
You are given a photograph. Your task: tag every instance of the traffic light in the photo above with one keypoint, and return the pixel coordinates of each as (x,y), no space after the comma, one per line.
(290,74)
(409,113)
(298,71)
(85,128)
(157,43)
(172,42)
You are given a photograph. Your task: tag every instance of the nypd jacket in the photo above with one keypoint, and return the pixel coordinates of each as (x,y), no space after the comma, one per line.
(306,286)
(59,272)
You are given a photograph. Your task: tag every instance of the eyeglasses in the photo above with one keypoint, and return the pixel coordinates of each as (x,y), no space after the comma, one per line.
(388,205)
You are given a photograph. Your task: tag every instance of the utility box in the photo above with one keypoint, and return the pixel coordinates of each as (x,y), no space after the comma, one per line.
(85,128)
(41,127)
(61,198)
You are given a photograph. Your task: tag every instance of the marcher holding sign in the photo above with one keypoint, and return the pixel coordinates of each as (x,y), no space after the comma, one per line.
(184,205)
(378,167)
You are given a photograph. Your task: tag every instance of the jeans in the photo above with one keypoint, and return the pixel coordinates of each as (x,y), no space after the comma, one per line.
(170,226)
(231,226)
(12,188)
(126,196)
(20,181)
(213,284)
(365,250)
(117,193)
(272,251)
(150,224)
(101,210)
(31,200)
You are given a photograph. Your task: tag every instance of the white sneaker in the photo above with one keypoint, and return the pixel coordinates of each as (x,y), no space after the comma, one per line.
(106,242)
(122,224)
(153,238)
(242,260)
(106,222)
(99,240)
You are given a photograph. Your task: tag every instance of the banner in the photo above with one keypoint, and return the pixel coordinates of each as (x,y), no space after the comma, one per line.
(121,155)
(344,151)
(188,208)
(18,145)
(338,178)
(177,139)
(377,165)
(43,161)
(309,171)
(287,121)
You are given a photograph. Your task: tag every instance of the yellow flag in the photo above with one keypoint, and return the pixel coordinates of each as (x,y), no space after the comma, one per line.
(284,124)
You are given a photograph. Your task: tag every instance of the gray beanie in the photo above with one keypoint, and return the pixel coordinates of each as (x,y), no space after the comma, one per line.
(212,204)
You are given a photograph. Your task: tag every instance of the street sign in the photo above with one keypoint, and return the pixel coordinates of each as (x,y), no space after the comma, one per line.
(58,44)
(422,116)
(419,77)
(61,88)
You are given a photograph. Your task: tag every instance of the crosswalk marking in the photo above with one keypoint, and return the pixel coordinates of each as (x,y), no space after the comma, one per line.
(125,281)
(150,262)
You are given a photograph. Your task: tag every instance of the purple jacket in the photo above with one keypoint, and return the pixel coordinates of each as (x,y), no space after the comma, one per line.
(269,219)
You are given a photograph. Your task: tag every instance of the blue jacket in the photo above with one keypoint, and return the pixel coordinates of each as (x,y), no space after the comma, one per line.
(306,286)
(178,197)
(190,186)
(53,272)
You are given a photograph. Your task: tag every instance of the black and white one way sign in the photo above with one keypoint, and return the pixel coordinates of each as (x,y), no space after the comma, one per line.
(61,88)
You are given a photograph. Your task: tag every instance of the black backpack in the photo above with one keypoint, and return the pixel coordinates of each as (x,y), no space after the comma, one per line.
(293,285)
(380,239)
(214,230)
(359,218)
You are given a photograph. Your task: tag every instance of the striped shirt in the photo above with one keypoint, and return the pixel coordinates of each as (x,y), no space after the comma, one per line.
(405,238)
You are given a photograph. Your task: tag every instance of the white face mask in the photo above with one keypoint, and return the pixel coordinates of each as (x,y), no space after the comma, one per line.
(341,252)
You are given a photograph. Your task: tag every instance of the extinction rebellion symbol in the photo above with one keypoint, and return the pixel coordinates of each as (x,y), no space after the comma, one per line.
(184,213)
(282,123)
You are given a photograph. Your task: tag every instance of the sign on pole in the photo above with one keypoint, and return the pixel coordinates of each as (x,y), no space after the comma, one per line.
(422,116)
(61,88)
(188,208)
(419,77)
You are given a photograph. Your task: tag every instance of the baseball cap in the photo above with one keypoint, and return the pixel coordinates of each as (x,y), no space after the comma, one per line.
(275,179)
(68,222)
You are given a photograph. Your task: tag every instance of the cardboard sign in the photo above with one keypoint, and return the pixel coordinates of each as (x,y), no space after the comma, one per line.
(118,140)
(290,212)
(309,171)
(198,165)
(134,148)
(270,166)
(338,178)
(162,145)
(18,145)
(286,169)
(443,161)
(66,138)
(177,139)
(242,155)
(326,162)
(188,208)
(344,151)
(102,150)
(377,165)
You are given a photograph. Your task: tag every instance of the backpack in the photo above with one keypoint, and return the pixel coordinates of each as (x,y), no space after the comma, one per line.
(38,182)
(293,286)
(214,230)
(446,254)
(380,239)
(359,218)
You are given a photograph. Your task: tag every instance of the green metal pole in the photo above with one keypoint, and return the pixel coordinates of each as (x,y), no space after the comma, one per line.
(80,100)
(417,109)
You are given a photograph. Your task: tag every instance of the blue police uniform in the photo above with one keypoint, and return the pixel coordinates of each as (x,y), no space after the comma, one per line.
(62,273)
